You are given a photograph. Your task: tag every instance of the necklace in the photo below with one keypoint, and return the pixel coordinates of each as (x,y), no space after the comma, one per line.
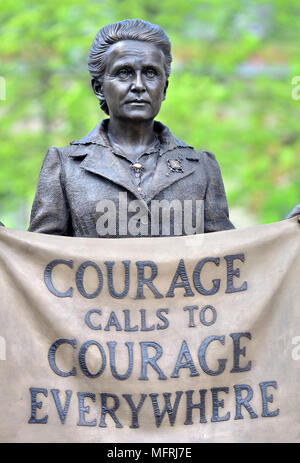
(137,167)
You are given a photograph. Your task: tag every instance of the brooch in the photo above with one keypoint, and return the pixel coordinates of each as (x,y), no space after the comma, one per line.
(174,165)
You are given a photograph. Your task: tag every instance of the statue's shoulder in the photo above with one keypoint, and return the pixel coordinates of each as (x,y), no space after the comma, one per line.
(72,151)
(94,140)
(195,154)
(188,151)
(207,156)
(206,159)
(203,155)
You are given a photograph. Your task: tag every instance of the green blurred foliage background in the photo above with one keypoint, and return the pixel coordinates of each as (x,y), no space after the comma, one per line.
(230,92)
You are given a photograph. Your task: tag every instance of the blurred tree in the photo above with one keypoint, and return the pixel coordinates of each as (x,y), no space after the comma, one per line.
(230,91)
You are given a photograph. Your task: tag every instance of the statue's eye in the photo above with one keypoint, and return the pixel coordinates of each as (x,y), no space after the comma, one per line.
(150,72)
(124,73)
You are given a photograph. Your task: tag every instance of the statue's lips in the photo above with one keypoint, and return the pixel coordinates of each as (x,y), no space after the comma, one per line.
(137,102)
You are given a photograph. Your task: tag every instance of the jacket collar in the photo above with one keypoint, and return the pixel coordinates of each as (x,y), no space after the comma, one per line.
(98,136)
(106,164)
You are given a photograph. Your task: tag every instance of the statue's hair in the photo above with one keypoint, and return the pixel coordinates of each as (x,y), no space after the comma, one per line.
(128,29)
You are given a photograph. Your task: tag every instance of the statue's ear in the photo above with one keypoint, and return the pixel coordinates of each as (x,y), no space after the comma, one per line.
(165,90)
(97,88)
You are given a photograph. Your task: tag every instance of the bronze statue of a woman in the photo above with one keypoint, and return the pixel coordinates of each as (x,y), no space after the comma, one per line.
(128,164)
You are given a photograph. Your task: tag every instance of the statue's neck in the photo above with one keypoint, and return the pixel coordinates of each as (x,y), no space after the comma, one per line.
(131,137)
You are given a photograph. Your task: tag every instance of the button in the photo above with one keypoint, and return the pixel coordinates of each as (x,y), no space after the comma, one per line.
(139,188)
(144,220)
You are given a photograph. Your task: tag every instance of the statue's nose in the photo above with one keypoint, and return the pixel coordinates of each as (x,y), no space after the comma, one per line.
(138,84)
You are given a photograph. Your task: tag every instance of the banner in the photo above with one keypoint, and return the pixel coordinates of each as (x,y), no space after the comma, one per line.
(180,339)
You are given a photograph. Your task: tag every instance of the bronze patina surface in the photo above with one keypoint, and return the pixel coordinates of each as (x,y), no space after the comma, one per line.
(129,153)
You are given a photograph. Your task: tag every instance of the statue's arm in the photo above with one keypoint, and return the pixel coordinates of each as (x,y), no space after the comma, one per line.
(216,214)
(50,213)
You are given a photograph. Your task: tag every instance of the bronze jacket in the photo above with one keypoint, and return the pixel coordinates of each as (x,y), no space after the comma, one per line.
(78,181)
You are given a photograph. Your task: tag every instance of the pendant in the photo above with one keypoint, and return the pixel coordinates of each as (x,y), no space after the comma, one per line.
(137,167)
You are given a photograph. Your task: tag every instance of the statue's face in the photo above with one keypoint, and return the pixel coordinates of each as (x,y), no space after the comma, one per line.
(134,82)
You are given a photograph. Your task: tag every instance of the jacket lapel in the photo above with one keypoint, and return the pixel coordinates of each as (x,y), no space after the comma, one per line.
(104,163)
(164,176)
(107,165)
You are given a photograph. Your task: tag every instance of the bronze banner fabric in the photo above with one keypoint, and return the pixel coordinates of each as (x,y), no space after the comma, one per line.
(180,339)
